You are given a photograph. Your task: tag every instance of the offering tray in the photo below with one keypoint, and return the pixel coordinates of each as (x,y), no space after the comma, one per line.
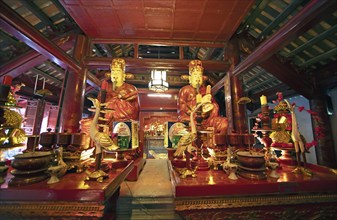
(33,154)
(25,173)
(253,175)
(252,169)
(31,161)
(26,177)
(21,181)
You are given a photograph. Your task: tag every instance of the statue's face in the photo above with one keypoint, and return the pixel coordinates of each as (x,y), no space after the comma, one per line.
(117,77)
(196,78)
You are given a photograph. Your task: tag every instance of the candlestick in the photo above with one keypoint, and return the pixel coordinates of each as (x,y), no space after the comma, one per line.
(263,100)
(265,119)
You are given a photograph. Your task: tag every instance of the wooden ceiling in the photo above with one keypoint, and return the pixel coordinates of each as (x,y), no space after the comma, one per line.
(199,20)
(278,41)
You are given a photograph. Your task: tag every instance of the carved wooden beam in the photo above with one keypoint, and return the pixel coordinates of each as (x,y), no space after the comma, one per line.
(296,26)
(287,75)
(326,76)
(159,42)
(271,93)
(146,64)
(33,58)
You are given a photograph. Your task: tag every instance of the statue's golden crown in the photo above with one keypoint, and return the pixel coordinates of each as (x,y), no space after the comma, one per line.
(195,66)
(118,63)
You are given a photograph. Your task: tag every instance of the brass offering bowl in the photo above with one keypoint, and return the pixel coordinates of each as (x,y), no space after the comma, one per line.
(251,159)
(32,161)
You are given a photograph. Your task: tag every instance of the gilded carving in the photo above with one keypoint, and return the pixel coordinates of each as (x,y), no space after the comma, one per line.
(280,213)
(31,209)
(240,202)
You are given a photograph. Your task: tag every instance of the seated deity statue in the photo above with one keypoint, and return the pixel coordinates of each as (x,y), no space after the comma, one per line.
(121,96)
(187,101)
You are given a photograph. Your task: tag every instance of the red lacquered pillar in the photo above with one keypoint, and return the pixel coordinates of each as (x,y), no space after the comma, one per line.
(325,151)
(239,114)
(74,90)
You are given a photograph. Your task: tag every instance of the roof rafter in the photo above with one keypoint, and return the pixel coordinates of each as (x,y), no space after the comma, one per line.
(24,31)
(289,31)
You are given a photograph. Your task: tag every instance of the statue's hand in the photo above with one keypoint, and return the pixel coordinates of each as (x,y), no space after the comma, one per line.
(122,94)
(207,98)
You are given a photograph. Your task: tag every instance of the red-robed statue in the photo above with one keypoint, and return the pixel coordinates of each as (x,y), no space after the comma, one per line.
(187,100)
(121,97)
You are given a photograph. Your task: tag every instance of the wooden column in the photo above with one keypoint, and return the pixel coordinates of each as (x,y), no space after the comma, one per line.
(239,113)
(236,90)
(74,88)
(325,151)
(228,102)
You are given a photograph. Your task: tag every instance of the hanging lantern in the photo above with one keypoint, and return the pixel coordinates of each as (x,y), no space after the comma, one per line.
(158,81)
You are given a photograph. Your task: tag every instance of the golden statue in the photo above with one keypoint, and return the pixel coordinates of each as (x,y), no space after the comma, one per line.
(188,100)
(10,129)
(121,97)
(101,140)
(281,124)
(299,144)
(185,144)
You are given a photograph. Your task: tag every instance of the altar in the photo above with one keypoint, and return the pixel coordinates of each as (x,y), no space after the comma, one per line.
(154,143)
(72,197)
(211,195)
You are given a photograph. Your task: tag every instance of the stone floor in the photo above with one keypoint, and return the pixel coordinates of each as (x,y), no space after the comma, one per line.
(150,197)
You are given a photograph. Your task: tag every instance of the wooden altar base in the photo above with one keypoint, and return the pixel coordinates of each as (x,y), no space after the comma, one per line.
(271,212)
(139,164)
(211,195)
(116,163)
(71,198)
(137,169)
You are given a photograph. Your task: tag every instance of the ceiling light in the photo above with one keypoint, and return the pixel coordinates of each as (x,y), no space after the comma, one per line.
(158,81)
(159,95)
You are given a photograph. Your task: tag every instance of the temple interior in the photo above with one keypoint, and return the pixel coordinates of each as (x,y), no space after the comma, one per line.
(168,109)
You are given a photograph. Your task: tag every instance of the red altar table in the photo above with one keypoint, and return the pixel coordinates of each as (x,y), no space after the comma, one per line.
(211,195)
(72,197)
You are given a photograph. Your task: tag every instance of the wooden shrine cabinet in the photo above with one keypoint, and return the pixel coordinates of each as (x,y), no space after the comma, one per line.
(153,143)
